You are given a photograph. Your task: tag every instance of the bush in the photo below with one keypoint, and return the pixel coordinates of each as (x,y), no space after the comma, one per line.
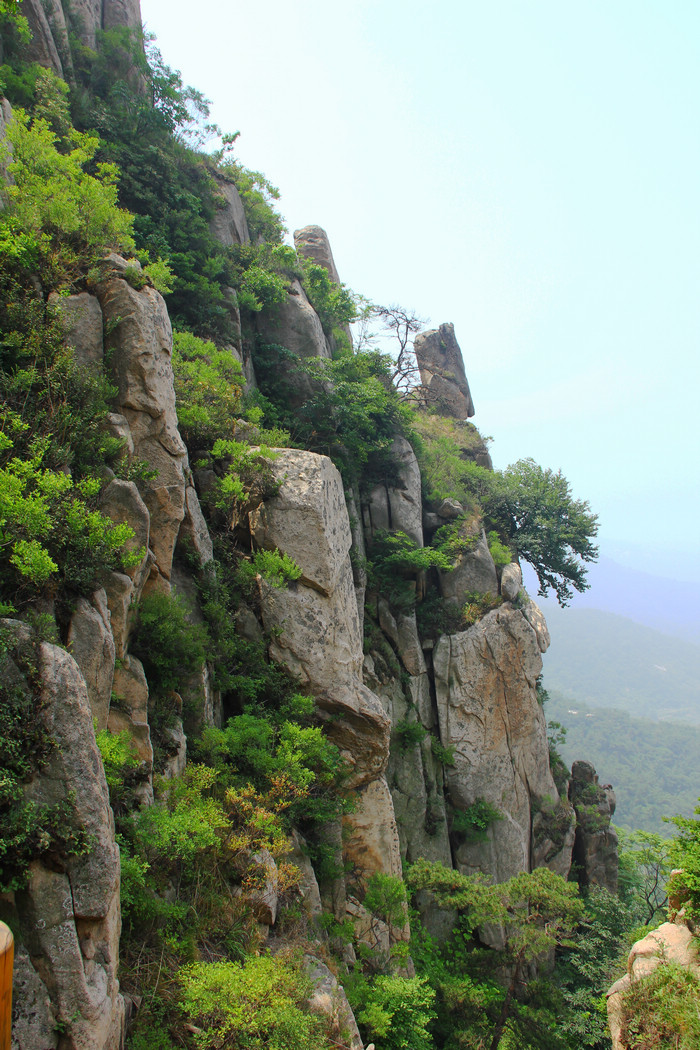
(398,1012)
(58,220)
(257,1005)
(169,646)
(473,822)
(409,734)
(662,1010)
(208,386)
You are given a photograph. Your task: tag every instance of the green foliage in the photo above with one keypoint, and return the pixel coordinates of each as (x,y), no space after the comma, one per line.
(334,303)
(248,1006)
(120,763)
(645,869)
(394,560)
(352,414)
(662,1010)
(499,552)
(408,734)
(397,1012)
(276,569)
(208,386)
(444,755)
(28,830)
(545,525)
(264,750)
(168,644)
(590,964)
(474,821)
(57,219)
(248,474)
(445,449)
(385,899)
(685,855)
(477,605)
(257,195)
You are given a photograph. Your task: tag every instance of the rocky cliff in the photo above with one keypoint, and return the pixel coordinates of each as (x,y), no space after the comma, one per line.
(436,718)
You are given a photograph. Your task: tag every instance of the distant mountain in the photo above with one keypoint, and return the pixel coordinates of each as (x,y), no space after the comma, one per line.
(607,660)
(671,606)
(654,767)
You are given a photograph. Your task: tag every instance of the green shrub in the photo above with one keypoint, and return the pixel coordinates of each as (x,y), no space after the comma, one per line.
(120,763)
(477,606)
(385,898)
(444,755)
(208,386)
(662,1009)
(398,1011)
(334,303)
(499,551)
(258,1005)
(169,646)
(473,822)
(58,220)
(409,734)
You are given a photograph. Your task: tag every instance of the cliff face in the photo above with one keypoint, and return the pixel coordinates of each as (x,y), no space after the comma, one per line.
(441,729)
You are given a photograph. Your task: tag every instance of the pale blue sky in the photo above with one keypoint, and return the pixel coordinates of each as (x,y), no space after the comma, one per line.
(526,169)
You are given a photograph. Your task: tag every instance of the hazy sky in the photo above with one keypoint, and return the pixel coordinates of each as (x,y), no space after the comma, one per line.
(527,169)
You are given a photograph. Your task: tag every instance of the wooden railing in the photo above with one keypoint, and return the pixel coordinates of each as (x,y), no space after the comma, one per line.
(7,955)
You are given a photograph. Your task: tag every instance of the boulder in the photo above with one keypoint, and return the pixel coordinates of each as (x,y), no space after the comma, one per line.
(91,644)
(511,582)
(307,520)
(81,316)
(311,242)
(371,838)
(442,372)
(397,507)
(295,325)
(474,570)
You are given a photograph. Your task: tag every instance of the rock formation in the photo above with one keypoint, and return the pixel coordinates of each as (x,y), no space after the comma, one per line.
(595,848)
(442,372)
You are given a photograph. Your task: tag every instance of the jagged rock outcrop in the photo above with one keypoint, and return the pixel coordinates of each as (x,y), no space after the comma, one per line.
(316,632)
(397,506)
(311,242)
(229,224)
(81,316)
(140,345)
(485,685)
(442,372)
(69,918)
(595,848)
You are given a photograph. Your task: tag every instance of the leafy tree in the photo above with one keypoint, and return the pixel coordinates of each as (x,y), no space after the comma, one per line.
(536,911)
(534,507)
(645,867)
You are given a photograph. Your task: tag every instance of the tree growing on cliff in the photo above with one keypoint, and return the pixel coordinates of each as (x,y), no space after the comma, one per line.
(536,912)
(545,525)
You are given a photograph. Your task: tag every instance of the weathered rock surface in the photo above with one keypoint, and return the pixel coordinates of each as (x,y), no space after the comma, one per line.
(329,1000)
(511,582)
(474,570)
(229,224)
(294,324)
(70,920)
(311,242)
(50,41)
(140,342)
(397,506)
(485,683)
(91,644)
(595,848)
(81,316)
(442,372)
(316,630)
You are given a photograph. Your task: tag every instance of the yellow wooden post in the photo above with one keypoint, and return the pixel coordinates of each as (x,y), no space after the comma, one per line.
(7,955)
